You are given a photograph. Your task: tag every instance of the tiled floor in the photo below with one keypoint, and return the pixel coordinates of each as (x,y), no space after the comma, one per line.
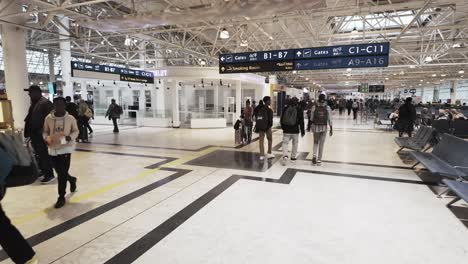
(151,195)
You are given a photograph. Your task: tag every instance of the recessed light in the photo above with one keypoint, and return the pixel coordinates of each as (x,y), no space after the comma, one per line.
(44,49)
(428,59)
(419,84)
(434,75)
(412,66)
(386,79)
(294,72)
(443,75)
(461,72)
(421,80)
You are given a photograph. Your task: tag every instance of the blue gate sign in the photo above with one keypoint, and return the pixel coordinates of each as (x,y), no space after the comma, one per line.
(342,62)
(272,55)
(343,51)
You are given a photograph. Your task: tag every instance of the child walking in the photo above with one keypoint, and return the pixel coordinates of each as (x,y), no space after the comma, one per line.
(60,133)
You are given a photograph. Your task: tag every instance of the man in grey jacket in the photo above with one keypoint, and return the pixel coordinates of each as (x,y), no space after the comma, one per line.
(34,123)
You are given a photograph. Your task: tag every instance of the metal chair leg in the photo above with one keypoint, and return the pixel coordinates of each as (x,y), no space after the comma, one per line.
(416,164)
(456,199)
(443,193)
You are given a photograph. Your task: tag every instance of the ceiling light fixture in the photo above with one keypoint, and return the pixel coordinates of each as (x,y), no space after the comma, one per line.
(244,43)
(45,50)
(412,66)
(355,31)
(102,42)
(224,34)
(428,59)
(434,75)
(461,72)
(456,45)
(294,72)
(349,69)
(443,75)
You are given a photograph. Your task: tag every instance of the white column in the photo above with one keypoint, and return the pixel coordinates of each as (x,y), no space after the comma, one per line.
(142,99)
(65,55)
(175,104)
(216,98)
(453,92)
(238,98)
(84,90)
(51,66)
(14,56)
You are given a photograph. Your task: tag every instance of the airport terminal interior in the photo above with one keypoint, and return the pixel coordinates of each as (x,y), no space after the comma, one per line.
(233,131)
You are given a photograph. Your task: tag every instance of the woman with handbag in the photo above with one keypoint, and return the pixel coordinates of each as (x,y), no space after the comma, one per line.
(11,240)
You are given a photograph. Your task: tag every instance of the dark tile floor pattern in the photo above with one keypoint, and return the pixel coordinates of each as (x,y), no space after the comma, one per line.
(238,160)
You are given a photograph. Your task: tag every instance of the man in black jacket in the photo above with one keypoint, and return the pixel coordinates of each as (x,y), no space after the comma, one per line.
(34,123)
(292,121)
(264,122)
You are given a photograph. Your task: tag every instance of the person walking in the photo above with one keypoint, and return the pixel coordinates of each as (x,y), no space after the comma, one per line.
(349,106)
(113,112)
(341,105)
(11,240)
(248,113)
(321,117)
(292,122)
(88,124)
(355,107)
(263,124)
(34,122)
(60,132)
(71,107)
(84,114)
(406,118)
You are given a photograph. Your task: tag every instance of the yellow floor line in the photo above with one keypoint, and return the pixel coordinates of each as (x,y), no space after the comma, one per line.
(76,199)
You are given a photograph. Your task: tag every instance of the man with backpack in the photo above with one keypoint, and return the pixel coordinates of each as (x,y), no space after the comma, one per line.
(321,117)
(292,120)
(263,124)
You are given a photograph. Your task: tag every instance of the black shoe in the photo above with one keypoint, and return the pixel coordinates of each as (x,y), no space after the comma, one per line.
(314,161)
(72,181)
(116,131)
(60,202)
(47,179)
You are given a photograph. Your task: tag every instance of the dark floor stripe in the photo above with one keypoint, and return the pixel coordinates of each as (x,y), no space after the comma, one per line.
(147,147)
(134,251)
(141,246)
(123,154)
(365,164)
(74,222)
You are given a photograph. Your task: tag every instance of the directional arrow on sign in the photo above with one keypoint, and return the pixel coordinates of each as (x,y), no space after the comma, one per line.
(222,59)
(299,53)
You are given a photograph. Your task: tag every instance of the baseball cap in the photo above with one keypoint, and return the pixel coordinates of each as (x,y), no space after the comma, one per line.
(33,88)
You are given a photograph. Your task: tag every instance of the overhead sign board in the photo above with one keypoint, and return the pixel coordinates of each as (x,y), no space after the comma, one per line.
(342,62)
(318,58)
(268,66)
(272,55)
(343,51)
(129,75)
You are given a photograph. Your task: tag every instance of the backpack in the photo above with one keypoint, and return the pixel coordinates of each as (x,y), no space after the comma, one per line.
(88,113)
(261,119)
(289,117)
(355,105)
(321,115)
(237,125)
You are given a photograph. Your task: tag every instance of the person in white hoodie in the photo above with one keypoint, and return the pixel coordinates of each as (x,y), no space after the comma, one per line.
(60,133)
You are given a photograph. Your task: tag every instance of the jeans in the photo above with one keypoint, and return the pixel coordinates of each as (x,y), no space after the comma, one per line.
(11,240)
(269,136)
(349,111)
(116,127)
(62,165)
(295,142)
(319,142)
(42,155)
(248,133)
